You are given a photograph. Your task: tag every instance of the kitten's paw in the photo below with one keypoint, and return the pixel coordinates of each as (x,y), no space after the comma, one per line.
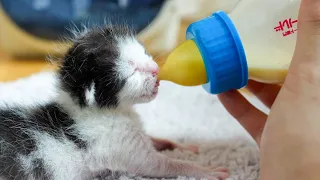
(219,169)
(213,173)
(219,173)
(192,148)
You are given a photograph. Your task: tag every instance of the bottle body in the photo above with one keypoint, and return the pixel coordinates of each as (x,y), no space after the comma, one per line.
(268,31)
(255,41)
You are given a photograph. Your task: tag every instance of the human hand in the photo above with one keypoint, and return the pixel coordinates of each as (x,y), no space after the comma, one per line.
(289,142)
(251,118)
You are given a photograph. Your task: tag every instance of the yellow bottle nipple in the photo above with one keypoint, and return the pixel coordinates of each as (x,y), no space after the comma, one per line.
(184,66)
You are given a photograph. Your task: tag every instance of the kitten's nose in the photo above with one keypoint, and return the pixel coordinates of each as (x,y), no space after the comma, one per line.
(155,71)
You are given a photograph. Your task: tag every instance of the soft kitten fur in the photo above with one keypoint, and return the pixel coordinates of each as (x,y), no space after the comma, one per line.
(91,128)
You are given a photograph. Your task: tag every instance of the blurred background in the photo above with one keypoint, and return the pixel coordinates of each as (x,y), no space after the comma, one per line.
(32,30)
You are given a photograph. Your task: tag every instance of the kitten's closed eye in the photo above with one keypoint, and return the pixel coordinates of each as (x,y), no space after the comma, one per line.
(149,67)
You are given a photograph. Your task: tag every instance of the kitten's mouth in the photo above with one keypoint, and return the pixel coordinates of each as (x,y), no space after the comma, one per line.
(157,84)
(154,91)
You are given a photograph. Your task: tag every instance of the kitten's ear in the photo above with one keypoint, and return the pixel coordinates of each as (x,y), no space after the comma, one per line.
(77,73)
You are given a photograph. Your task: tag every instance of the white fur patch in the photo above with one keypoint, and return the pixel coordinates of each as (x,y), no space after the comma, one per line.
(112,135)
(135,65)
(27,164)
(61,156)
(90,98)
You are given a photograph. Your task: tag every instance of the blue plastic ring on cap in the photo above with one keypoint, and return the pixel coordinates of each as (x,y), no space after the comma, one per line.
(222,51)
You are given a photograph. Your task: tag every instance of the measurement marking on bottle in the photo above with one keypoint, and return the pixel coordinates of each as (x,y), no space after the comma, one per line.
(286,27)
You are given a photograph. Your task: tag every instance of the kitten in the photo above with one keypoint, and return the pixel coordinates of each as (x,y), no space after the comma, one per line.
(91,127)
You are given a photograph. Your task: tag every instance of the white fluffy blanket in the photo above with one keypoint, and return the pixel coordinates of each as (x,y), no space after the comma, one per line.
(181,114)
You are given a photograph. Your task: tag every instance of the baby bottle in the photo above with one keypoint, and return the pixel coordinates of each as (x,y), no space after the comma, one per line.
(255,41)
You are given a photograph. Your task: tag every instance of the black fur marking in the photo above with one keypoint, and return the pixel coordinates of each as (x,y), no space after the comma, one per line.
(39,171)
(92,59)
(12,141)
(9,169)
(56,122)
(16,139)
(12,132)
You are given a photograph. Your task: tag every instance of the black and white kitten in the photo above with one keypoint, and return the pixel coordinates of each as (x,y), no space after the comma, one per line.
(91,127)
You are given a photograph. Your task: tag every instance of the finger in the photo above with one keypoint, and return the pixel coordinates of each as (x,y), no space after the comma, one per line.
(307,45)
(266,93)
(303,75)
(252,119)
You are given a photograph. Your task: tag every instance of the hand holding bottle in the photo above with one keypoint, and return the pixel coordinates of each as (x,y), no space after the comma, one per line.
(289,138)
(252,119)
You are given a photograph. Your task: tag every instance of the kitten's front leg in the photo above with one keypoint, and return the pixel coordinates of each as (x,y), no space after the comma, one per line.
(162,145)
(159,166)
(142,159)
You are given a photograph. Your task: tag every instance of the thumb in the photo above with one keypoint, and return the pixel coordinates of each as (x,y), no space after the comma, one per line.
(309,11)
(305,67)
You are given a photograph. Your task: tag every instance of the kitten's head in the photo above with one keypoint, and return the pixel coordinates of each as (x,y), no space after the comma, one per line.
(108,67)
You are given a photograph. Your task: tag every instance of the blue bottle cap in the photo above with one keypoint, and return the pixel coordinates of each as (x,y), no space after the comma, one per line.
(222,52)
